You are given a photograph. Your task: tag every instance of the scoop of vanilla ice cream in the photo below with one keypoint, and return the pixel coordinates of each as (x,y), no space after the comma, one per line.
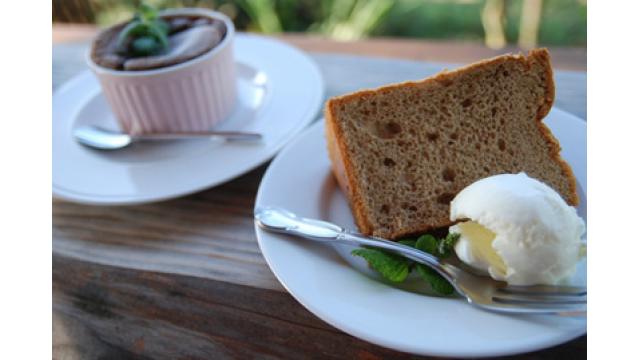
(517,229)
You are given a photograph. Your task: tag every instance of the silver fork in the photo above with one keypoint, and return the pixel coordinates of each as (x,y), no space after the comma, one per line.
(480,291)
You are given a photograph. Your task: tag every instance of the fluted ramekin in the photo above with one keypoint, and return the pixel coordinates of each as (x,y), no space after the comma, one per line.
(191,96)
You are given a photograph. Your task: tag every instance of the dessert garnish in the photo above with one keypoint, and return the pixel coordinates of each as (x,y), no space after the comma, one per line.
(146,34)
(396,268)
(153,40)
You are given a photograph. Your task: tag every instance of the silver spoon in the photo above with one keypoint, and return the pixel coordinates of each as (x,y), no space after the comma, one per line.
(99,138)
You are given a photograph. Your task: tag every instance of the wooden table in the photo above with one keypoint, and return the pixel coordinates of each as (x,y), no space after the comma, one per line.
(185,279)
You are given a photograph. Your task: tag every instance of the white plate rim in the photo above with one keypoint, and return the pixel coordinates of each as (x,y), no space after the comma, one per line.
(326,316)
(304,121)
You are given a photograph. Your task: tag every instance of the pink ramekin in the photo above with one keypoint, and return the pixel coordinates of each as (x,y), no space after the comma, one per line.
(188,97)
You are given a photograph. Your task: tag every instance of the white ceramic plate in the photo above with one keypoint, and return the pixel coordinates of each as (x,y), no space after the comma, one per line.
(299,179)
(280,91)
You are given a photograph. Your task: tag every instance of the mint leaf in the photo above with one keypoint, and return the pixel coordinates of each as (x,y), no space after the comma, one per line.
(145,35)
(408,242)
(437,282)
(445,248)
(392,267)
(431,245)
(396,268)
(145,45)
(147,12)
(428,244)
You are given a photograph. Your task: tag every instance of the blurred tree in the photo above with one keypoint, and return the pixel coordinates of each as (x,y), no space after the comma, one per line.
(497,22)
(493,21)
(263,13)
(352,19)
(529,23)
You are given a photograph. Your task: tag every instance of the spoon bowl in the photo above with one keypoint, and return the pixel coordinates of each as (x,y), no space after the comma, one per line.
(98,138)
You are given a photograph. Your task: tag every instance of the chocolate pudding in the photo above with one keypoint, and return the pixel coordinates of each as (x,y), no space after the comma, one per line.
(185,38)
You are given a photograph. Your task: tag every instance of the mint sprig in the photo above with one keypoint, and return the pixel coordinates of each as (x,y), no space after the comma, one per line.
(391,266)
(427,243)
(446,245)
(146,34)
(396,268)
(437,282)
(408,242)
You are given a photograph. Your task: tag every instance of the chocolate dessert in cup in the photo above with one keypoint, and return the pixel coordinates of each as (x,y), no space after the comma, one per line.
(171,71)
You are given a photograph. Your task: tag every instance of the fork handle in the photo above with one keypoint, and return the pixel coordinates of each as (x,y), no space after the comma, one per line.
(283,221)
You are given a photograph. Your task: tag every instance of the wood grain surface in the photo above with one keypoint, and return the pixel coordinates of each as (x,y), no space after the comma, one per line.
(184,278)
(103,311)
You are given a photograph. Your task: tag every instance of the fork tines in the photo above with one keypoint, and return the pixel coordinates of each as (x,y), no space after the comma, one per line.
(541,295)
(545,290)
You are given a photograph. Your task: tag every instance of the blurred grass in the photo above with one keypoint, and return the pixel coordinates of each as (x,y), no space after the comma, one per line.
(562,22)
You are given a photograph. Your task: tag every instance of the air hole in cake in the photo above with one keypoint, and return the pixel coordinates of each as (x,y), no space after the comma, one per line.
(445,198)
(389,130)
(466,103)
(501,145)
(432,136)
(448,174)
(444,110)
(389,162)
(454,136)
(505,73)
(494,111)
(384,208)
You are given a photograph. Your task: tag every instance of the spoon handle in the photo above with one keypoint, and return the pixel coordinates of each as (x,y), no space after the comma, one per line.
(227,135)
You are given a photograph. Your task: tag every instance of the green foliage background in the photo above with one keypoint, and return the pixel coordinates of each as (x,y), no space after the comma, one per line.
(562,23)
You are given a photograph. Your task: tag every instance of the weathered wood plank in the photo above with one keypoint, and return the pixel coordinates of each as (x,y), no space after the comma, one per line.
(173,316)
(209,234)
(110,312)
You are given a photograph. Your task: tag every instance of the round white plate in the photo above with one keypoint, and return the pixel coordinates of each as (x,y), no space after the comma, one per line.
(299,179)
(280,91)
